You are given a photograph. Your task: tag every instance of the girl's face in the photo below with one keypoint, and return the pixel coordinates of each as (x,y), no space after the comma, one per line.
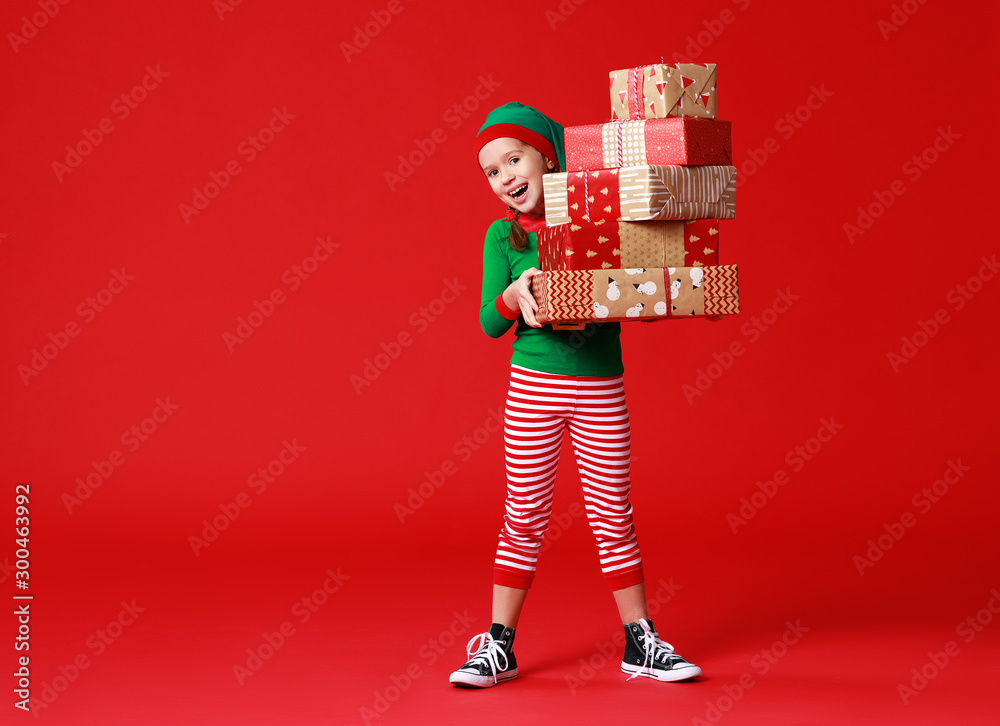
(514,170)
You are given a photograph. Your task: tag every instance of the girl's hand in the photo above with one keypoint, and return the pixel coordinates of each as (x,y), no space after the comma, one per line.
(518,295)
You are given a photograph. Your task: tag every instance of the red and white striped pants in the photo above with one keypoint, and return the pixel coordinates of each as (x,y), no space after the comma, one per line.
(539,407)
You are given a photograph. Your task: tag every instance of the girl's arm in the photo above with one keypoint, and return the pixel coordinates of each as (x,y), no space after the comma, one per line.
(503,298)
(518,294)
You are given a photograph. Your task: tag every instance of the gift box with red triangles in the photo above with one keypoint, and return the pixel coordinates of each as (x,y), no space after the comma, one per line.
(661,91)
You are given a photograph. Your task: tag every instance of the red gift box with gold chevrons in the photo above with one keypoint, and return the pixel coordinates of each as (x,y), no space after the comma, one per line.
(582,296)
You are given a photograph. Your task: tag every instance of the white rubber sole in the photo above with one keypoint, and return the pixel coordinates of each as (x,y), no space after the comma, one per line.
(476,681)
(678,674)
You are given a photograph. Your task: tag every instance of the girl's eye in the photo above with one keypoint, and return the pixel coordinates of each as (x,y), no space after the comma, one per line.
(514,159)
(491,172)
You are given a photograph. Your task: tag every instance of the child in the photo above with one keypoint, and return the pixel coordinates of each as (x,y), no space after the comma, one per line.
(556,382)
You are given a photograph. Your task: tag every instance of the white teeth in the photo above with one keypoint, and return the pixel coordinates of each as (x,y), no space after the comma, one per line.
(515,192)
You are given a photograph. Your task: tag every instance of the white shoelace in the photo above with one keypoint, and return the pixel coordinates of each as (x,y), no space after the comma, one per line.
(487,650)
(655,648)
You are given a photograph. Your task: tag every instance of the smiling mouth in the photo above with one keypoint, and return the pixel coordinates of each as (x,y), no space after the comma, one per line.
(519,191)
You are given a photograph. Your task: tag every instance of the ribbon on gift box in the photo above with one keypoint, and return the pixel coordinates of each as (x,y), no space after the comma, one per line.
(620,142)
(636,77)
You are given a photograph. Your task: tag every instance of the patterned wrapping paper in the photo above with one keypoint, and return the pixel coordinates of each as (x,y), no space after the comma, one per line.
(718,293)
(638,193)
(581,296)
(694,243)
(652,141)
(660,91)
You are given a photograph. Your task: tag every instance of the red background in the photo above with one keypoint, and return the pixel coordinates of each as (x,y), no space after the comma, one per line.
(337,505)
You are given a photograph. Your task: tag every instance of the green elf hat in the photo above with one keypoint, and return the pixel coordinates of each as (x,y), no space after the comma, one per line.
(526,124)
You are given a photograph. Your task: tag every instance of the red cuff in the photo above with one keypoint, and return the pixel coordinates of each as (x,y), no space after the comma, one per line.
(513,578)
(628,578)
(506,312)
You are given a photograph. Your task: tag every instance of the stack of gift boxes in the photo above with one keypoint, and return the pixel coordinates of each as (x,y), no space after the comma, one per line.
(633,223)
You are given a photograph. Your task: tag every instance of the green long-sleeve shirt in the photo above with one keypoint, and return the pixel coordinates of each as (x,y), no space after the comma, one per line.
(594,351)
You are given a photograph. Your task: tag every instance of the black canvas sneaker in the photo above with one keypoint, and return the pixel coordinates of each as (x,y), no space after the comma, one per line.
(647,655)
(491,659)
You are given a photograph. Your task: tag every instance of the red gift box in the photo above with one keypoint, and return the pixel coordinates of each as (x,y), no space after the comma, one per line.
(693,243)
(652,141)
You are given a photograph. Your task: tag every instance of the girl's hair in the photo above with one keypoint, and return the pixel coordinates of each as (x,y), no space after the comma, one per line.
(518,238)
